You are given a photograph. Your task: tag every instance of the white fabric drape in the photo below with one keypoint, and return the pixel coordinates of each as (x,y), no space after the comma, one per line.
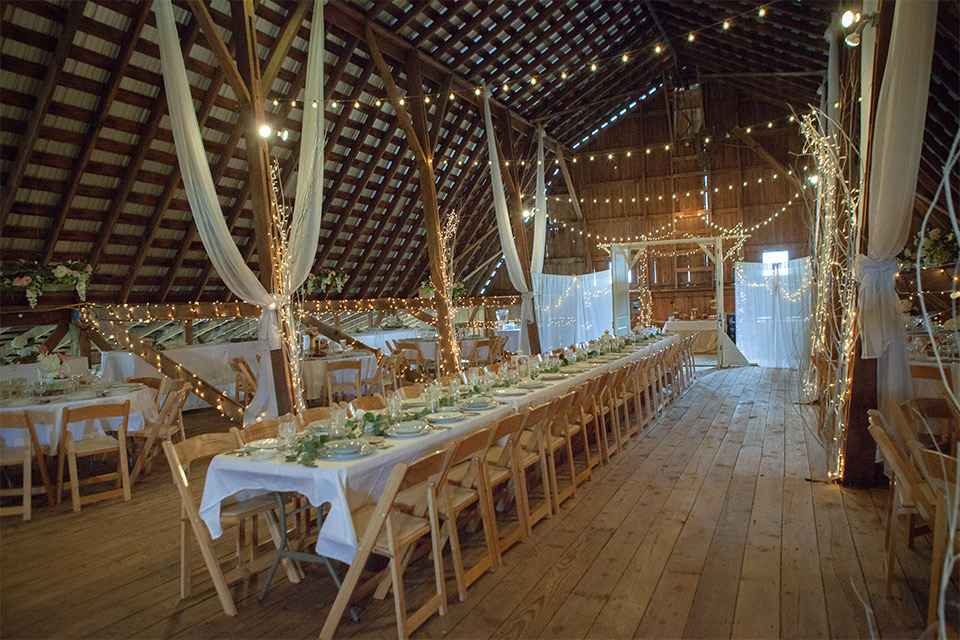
(540,215)
(205,205)
(507,242)
(572,309)
(773,308)
(895,158)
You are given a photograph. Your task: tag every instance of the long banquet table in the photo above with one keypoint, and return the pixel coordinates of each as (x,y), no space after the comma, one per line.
(348,484)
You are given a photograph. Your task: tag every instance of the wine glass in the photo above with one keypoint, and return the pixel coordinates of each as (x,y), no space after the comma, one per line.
(287,430)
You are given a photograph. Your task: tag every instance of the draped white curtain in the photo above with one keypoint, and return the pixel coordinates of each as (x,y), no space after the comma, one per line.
(895,158)
(572,309)
(507,241)
(540,215)
(773,309)
(205,205)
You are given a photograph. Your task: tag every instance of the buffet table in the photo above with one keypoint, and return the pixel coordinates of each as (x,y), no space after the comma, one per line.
(706,341)
(348,484)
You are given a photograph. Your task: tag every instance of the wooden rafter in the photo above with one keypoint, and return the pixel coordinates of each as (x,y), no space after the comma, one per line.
(27,141)
(93,132)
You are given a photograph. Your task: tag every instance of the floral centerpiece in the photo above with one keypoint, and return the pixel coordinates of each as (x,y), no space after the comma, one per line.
(33,278)
(326,279)
(49,365)
(935,250)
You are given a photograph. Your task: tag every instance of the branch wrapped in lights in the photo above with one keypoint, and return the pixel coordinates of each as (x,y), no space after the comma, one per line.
(836,242)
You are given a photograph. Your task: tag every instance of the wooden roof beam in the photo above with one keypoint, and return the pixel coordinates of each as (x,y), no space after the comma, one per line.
(354,22)
(28,138)
(132,171)
(117,75)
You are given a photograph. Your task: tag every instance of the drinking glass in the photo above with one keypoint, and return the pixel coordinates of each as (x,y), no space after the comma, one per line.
(287,429)
(338,421)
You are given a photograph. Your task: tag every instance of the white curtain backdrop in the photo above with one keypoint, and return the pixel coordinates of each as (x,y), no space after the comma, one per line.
(205,205)
(572,309)
(896,145)
(773,309)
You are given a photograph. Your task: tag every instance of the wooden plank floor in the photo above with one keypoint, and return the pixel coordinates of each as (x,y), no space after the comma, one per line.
(716,522)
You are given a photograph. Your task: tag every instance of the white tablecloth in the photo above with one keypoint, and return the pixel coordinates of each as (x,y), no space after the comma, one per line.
(209,361)
(428,346)
(376,339)
(73,366)
(142,405)
(349,484)
(513,339)
(314,372)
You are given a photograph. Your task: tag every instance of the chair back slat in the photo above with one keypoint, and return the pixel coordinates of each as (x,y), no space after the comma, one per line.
(908,475)
(423,469)
(203,446)
(256,431)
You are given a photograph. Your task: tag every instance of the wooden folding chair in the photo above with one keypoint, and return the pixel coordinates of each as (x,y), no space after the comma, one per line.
(556,439)
(385,377)
(577,432)
(313,414)
(940,472)
(460,486)
(167,425)
(585,413)
(23,455)
(232,512)
(258,430)
(69,449)
(350,384)
(246,386)
(410,391)
(388,531)
(375,402)
(414,359)
(932,421)
(907,487)
(505,475)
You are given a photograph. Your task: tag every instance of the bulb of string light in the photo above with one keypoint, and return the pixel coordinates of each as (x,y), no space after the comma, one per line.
(847,19)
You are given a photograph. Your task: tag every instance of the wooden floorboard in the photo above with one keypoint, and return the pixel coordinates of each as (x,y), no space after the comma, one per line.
(717,521)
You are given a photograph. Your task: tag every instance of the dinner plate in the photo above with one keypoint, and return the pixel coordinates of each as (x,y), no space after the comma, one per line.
(442,417)
(267,444)
(125,387)
(408,430)
(552,376)
(114,392)
(476,405)
(318,426)
(414,402)
(508,392)
(340,448)
(366,450)
(530,385)
(20,402)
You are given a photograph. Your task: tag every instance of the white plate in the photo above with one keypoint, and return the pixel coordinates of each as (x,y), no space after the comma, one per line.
(366,450)
(318,426)
(408,430)
(415,402)
(508,392)
(114,392)
(552,376)
(125,386)
(341,448)
(530,385)
(20,402)
(267,444)
(445,416)
(476,406)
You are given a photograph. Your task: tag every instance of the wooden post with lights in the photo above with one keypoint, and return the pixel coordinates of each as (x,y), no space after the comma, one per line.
(859,448)
(244,78)
(419,141)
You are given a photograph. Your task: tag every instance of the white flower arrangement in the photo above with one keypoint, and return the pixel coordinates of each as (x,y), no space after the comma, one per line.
(33,278)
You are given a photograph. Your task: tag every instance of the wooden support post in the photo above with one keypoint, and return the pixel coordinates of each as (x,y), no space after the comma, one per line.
(188,331)
(245,79)
(447,362)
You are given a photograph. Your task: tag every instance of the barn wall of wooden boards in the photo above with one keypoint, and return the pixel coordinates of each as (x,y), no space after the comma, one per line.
(626,196)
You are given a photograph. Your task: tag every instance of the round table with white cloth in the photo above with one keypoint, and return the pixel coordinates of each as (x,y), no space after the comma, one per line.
(142,407)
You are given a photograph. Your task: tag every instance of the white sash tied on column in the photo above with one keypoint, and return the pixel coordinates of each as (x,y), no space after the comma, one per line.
(205,205)
(879,317)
